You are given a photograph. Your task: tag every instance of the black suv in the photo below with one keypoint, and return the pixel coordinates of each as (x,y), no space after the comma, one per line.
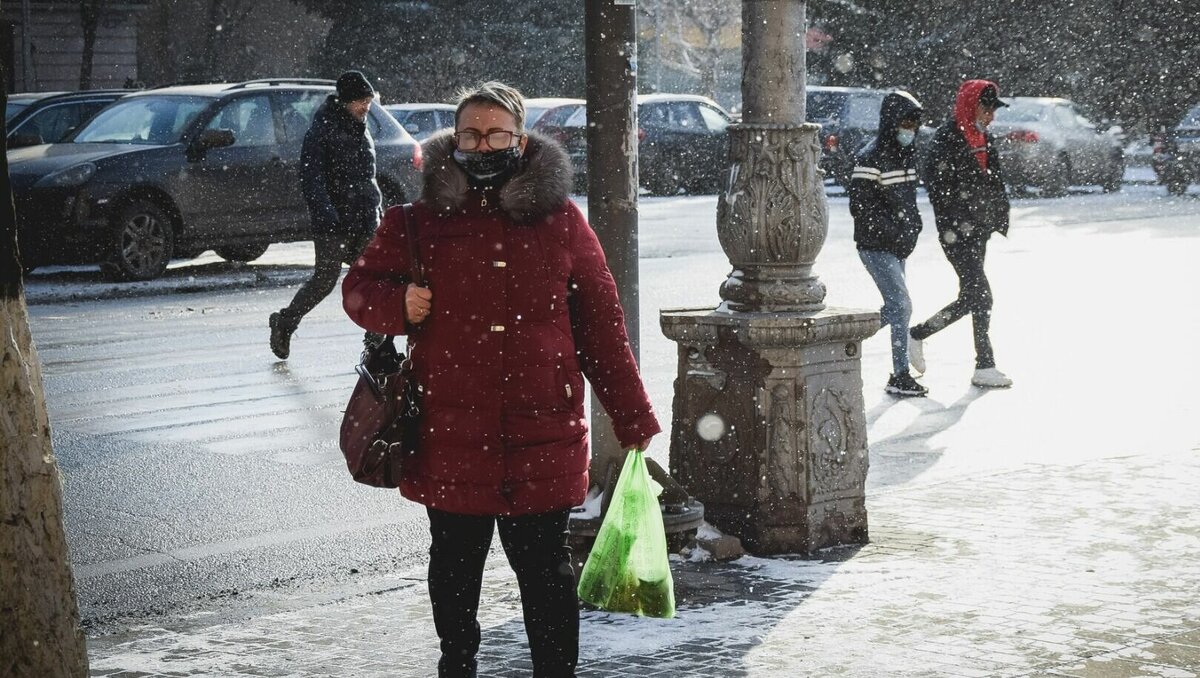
(48,117)
(1176,159)
(683,143)
(174,171)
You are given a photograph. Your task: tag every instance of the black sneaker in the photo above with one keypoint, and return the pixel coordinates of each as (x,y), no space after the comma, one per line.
(282,327)
(905,386)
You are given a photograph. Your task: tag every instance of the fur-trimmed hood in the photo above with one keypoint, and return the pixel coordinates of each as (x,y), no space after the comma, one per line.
(539,187)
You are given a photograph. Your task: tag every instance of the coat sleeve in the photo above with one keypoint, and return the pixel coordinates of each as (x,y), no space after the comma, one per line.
(598,326)
(373,291)
(312,180)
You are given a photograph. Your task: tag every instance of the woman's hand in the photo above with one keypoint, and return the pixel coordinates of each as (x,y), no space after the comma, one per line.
(641,447)
(418,301)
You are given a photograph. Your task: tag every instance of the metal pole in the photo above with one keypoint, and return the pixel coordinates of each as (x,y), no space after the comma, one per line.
(611,59)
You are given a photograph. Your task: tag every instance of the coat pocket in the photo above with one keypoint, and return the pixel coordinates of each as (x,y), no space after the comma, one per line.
(570,384)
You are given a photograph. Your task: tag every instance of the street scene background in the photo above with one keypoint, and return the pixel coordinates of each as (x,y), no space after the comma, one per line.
(212,521)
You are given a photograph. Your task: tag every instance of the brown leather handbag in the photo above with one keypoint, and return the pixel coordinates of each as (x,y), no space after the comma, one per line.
(380,424)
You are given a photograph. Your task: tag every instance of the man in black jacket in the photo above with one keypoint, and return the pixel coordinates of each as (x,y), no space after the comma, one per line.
(337,178)
(966,190)
(883,201)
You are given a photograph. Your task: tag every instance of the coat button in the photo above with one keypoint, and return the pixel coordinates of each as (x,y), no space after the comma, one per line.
(499,264)
(497,328)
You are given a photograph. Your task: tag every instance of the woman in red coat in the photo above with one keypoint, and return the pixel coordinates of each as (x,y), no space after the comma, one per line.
(519,305)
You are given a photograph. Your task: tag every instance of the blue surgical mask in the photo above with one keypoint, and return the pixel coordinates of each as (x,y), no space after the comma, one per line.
(905,136)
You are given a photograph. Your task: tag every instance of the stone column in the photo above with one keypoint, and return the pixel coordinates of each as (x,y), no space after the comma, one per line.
(768,425)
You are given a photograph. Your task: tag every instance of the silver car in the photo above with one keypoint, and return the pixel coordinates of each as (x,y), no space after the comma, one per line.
(1048,143)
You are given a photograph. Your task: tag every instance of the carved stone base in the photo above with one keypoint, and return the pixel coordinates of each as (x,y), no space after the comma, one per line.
(769,429)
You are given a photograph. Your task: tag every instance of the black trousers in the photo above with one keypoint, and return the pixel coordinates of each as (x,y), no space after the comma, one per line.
(974,296)
(332,251)
(537,550)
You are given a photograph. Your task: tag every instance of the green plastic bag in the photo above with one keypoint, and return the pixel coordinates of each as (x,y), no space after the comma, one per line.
(628,570)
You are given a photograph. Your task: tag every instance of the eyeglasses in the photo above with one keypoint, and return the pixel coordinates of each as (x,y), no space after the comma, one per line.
(469,140)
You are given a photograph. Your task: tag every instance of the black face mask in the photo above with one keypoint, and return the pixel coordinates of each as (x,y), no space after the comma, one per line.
(489,169)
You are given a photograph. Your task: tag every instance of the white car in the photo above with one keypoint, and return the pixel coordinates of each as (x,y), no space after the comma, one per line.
(1048,143)
(422,120)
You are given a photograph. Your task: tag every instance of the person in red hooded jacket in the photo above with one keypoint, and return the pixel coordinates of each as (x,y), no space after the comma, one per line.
(966,190)
(519,305)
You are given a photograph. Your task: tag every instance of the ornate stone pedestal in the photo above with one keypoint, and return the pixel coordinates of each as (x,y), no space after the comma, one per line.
(768,427)
(769,430)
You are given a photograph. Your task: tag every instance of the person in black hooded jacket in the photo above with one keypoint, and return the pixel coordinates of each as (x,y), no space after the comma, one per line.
(966,189)
(337,179)
(883,202)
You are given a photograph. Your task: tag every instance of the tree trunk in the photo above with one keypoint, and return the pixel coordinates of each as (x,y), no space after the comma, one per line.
(89,18)
(212,47)
(40,635)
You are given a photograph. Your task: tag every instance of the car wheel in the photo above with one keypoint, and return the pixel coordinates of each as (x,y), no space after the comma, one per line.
(661,181)
(141,243)
(1056,185)
(242,253)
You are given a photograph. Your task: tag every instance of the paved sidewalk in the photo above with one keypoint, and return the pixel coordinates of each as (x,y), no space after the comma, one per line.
(1089,570)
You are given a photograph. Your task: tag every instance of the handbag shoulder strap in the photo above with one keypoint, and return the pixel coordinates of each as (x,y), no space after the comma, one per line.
(417,270)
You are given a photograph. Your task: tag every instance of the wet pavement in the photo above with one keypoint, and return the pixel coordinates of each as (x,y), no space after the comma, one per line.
(1087,570)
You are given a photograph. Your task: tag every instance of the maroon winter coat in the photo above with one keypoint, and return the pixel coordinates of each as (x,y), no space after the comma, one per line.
(523,306)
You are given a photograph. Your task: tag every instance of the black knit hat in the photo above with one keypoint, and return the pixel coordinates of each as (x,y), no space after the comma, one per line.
(352,86)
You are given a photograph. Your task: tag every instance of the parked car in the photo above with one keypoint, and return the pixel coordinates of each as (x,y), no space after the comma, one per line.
(422,120)
(46,118)
(562,108)
(1176,158)
(171,172)
(1048,143)
(682,142)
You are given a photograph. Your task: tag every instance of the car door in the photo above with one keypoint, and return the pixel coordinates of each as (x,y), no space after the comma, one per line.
(714,146)
(1096,148)
(683,141)
(296,110)
(235,190)
(446,119)
(1074,146)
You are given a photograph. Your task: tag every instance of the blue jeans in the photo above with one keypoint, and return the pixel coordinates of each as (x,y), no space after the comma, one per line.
(888,272)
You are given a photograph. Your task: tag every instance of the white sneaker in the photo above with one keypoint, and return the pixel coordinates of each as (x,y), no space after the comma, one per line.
(916,355)
(990,377)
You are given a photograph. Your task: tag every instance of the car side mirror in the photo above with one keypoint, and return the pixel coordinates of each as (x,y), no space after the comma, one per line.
(23,140)
(215,138)
(411,128)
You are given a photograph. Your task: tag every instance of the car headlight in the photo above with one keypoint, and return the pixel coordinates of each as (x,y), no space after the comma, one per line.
(71,176)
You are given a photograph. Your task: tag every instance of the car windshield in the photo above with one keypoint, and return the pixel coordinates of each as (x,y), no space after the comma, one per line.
(533,113)
(824,105)
(159,120)
(1021,111)
(12,109)
(1192,119)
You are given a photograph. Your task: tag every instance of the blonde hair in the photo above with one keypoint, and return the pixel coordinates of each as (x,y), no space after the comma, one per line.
(497,94)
